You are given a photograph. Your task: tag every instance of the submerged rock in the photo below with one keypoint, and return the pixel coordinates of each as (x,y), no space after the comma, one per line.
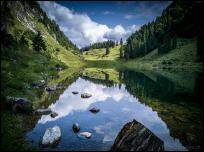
(86,95)
(135,137)
(76,127)
(75,92)
(94,110)
(53,114)
(19,104)
(43,111)
(85,135)
(51,136)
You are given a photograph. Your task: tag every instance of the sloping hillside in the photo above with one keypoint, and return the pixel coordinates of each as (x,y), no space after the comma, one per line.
(21,63)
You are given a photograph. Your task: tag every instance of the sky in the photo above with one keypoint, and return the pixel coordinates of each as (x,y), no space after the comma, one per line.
(87,22)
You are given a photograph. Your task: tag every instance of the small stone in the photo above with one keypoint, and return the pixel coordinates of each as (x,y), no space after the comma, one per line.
(85,135)
(75,92)
(76,127)
(53,114)
(94,110)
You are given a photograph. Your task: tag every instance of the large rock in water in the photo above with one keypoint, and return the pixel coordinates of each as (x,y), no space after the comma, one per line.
(135,137)
(51,136)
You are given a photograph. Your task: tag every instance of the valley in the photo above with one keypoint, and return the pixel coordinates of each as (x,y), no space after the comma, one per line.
(158,71)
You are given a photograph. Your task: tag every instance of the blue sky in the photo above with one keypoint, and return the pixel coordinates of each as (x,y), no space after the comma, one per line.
(85,22)
(113,13)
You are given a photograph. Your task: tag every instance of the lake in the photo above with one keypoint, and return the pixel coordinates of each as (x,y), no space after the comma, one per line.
(166,103)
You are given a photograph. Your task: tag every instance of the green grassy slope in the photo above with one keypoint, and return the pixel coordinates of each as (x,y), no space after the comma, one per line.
(99,54)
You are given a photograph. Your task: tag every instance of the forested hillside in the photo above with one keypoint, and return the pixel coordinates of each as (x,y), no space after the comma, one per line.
(179,20)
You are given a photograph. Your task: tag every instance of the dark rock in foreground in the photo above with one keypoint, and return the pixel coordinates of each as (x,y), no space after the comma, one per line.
(135,137)
(86,95)
(94,110)
(19,104)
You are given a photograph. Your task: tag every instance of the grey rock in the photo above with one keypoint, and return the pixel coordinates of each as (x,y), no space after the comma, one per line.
(86,95)
(51,136)
(136,137)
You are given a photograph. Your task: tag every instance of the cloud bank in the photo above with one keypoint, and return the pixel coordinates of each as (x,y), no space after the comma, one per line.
(80,29)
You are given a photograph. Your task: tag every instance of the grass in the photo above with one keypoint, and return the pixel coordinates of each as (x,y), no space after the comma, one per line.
(99,54)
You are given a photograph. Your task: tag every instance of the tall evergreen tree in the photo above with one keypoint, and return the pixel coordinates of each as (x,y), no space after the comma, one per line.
(38,43)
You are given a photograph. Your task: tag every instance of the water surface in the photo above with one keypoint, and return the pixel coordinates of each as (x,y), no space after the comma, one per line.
(136,97)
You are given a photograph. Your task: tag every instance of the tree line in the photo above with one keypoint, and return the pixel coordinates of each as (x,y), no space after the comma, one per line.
(106,44)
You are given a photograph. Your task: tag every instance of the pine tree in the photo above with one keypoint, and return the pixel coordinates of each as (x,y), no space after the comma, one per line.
(38,43)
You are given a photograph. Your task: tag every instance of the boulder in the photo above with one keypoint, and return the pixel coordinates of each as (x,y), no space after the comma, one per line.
(19,104)
(53,114)
(76,127)
(94,110)
(51,136)
(85,135)
(86,95)
(75,92)
(43,111)
(136,137)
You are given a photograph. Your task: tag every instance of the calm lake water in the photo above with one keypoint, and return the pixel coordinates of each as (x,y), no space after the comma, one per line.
(168,107)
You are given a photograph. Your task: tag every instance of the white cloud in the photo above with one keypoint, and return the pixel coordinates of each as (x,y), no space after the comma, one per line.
(80,29)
